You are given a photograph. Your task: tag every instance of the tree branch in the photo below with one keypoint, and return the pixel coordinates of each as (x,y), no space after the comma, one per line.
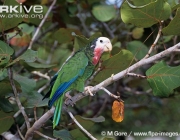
(109,93)
(155,41)
(41,24)
(9,136)
(10,74)
(110,32)
(39,123)
(136,75)
(80,126)
(44,136)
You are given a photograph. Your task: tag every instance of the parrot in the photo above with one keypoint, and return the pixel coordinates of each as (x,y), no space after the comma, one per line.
(73,74)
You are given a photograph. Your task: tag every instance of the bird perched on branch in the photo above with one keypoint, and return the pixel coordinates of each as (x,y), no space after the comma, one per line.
(75,72)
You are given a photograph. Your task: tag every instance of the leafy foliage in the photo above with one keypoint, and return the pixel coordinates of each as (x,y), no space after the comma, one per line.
(163,79)
(104,12)
(172,28)
(138,49)
(114,65)
(132,27)
(5,53)
(150,12)
(62,134)
(8,22)
(6,120)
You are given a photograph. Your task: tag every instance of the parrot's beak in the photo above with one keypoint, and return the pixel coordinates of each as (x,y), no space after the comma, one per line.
(108,46)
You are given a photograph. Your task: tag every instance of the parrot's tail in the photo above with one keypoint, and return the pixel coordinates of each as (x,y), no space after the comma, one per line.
(57,112)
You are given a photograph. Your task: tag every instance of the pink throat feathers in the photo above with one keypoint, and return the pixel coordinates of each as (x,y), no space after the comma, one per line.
(97,55)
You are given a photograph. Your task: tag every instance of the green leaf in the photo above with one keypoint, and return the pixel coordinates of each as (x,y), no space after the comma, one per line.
(174,26)
(25,29)
(10,20)
(72,10)
(33,99)
(87,124)
(6,87)
(3,74)
(78,135)
(104,12)
(5,105)
(138,49)
(146,16)
(28,56)
(137,33)
(163,79)
(115,64)
(5,53)
(64,35)
(27,85)
(38,65)
(98,119)
(62,134)
(6,121)
(81,41)
(173,3)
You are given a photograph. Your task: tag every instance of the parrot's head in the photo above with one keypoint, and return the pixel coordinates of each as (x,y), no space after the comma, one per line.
(100,45)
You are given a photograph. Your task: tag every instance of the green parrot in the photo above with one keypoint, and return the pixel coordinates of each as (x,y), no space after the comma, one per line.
(75,72)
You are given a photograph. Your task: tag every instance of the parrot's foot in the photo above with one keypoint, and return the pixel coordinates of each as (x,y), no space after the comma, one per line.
(69,97)
(89,91)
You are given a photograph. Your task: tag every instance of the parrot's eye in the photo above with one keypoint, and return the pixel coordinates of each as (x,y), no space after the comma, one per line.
(101,41)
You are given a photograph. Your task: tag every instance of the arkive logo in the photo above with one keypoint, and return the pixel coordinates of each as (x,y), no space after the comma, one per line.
(20,8)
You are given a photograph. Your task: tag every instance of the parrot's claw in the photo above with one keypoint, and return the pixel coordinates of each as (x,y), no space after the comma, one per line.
(89,91)
(67,94)
(69,97)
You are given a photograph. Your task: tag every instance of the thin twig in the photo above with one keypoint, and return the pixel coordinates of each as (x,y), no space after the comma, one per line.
(41,24)
(136,75)
(19,132)
(155,41)
(41,75)
(80,126)
(44,136)
(24,124)
(137,92)
(10,74)
(43,88)
(79,15)
(35,114)
(67,59)
(17,114)
(110,32)
(102,107)
(94,74)
(52,52)
(109,93)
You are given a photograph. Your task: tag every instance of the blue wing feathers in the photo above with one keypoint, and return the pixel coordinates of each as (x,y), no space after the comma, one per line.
(61,90)
(58,95)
